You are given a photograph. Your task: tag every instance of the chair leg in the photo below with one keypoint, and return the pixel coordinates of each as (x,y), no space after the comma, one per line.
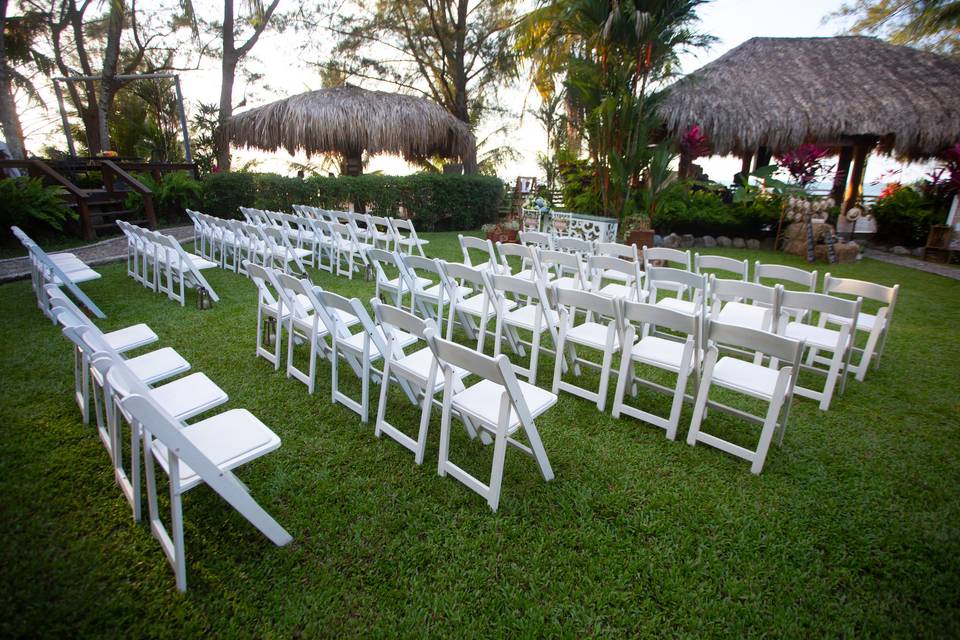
(677,406)
(443,453)
(702,394)
(766,435)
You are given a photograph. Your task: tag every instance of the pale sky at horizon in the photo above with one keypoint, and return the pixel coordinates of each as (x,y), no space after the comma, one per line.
(287,72)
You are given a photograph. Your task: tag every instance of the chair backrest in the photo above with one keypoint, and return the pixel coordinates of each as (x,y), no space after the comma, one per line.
(600,263)
(861,288)
(646,313)
(527,255)
(265,281)
(822,303)
(784,273)
(570,300)
(390,317)
(617,250)
(695,281)
(786,350)
(419,263)
(721,263)
(669,256)
(381,258)
(533,290)
(562,260)
(468,243)
(573,245)
(464,273)
(536,239)
(725,290)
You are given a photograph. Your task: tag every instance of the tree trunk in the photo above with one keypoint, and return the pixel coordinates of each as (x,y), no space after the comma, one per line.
(9,118)
(854,186)
(228,76)
(108,83)
(843,171)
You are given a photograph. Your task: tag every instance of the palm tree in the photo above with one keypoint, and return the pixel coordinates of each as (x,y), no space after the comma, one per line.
(615,56)
(17,34)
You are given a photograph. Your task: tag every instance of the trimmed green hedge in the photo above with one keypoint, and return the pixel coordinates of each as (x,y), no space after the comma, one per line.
(436,201)
(704,212)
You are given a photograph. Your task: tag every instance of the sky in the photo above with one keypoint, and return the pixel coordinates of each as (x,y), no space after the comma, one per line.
(284,62)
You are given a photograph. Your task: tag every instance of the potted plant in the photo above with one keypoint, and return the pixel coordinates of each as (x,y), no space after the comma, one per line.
(503,231)
(639,219)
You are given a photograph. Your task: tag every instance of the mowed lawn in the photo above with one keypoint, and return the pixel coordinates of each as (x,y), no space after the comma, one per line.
(852,529)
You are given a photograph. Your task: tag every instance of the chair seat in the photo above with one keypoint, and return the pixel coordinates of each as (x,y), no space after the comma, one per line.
(567,282)
(129,338)
(417,366)
(745,315)
(198,262)
(592,334)
(865,321)
(229,439)
(819,337)
(482,401)
(530,274)
(410,242)
(627,291)
(81,275)
(683,306)
(189,396)
(525,317)
(752,379)
(355,342)
(474,305)
(157,365)
(271,308)
(610,274)
(659,352)
(433,292)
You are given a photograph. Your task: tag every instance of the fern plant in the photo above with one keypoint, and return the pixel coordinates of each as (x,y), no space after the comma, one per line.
(33,205)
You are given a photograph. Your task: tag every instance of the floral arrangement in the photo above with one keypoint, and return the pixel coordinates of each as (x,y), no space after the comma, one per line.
(537,204)
(804,163)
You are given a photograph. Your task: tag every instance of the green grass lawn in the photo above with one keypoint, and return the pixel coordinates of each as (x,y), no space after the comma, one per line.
(852,529)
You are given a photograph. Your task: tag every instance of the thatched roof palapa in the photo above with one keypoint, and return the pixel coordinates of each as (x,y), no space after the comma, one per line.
(779,93)
(347,120)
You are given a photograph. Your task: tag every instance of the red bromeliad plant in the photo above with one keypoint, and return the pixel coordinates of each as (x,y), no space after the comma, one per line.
(804,163)
(693,143)
(890,189)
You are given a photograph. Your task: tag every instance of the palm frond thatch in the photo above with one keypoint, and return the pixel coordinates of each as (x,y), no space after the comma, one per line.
(347,120)
(783,92)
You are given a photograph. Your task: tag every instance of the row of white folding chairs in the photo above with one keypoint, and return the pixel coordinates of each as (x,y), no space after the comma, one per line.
(391,233)
(159,263)
(493,409)
(875,325)
(141,393)
(64,269)
(230,243)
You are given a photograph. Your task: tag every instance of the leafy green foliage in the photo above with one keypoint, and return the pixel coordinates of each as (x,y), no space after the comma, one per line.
(906,215)
(704,212)
(436,201)
(32,205)
(175,192)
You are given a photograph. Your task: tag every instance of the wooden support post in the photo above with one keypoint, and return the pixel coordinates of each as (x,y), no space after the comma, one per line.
(855,183)
(763,158)
(843,171)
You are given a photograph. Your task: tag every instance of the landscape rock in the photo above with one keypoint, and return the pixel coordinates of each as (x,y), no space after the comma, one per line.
(900,251)
(672,241)
(919,252)
(698,242)
(739,243)
(657,240)
(686,240)
(753,244)
(724,241)
(709,241)
(768,244)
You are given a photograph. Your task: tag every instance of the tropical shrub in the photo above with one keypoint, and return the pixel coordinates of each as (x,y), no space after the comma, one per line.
(174,192)
(30,204)
(905,215)
(706,211)
(224,193)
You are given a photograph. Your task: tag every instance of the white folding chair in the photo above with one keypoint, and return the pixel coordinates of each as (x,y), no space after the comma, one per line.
(428,293)
(681,357)
(351,254)
(616,278)
(381,233)
(692,288)
(176,265)
(535,315)
(599,331)
(739,268)
(121,341)
(488,260)
(418,370)
(499,404)
(876,325)
(471,306)
(617,250)
(536,239)
(204,452)
(385,264)
(405,237)
(578,246)
(563,269)
(307,322)
(183,398)
(360,349)
(529,268)
(271,313)
(744,304)
(773,384)
(282,252)
(838,343)
(781,274)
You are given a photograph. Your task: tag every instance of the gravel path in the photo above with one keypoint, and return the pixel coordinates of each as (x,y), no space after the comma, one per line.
(944,270)
(103,252)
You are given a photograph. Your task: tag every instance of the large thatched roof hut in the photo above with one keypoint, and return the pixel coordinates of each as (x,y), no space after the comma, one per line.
(349,120)
(770,95)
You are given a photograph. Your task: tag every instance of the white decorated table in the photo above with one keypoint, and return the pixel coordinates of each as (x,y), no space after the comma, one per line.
(573,225)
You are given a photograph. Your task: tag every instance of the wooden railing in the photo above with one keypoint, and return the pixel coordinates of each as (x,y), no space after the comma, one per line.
(111,170)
